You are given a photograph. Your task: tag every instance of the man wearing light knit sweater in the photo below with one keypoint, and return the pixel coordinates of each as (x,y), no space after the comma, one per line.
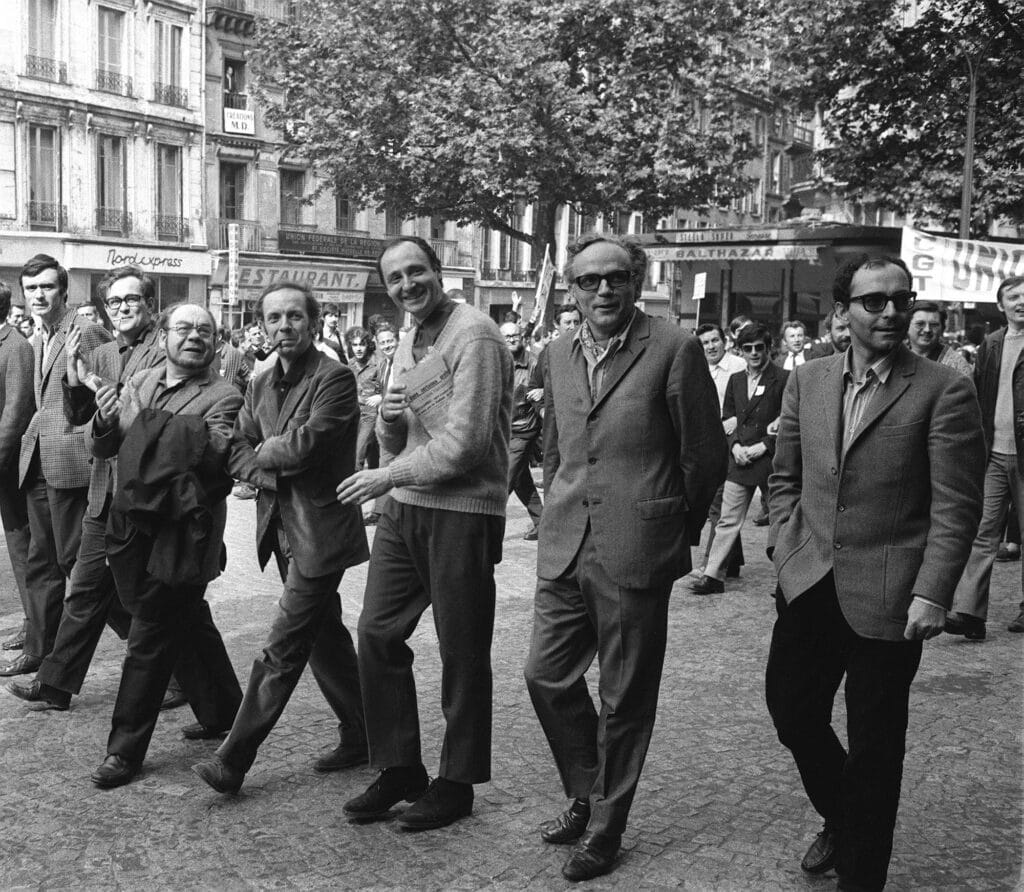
(437,541)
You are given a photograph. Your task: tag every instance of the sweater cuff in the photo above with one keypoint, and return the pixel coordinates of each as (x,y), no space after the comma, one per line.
(402,472)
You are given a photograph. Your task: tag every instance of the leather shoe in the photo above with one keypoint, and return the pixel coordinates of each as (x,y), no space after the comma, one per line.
(21,665)
(593,856)
(41,695)
(173,699)
(821,856)
(707,585)
(1008,552)
(392,786)
(569,826)
(15,642)
(444,803)
(531,535)
(199,731)
(370,520)
(1018,624)
(972,628)
(114,772)
(761,521)
(344,755)
(223,778)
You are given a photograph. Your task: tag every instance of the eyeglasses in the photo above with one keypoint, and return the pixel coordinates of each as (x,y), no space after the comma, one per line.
(132,300)
(756,347)
(183,330)
(876,301)
(592,281)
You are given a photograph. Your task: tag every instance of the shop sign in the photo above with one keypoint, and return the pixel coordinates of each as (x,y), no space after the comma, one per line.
(665,253)
(958,269)
(157,261)
(331,244)
(240,120)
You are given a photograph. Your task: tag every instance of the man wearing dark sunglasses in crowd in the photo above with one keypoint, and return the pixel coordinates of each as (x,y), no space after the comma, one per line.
(875,498)
(615,534)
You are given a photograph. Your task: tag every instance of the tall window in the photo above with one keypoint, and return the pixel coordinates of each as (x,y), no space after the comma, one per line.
(436,227)
(232,190)
(44,178)
(110,52)
(293,187)
(111,185)
(8,194)
(169,222)
(167,83)
(392,222)
(234,84)
(42,50)
(344,214)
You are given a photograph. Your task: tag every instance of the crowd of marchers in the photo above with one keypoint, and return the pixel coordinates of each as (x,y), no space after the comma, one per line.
(886,464)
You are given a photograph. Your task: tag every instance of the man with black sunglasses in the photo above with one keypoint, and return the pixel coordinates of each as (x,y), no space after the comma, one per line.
(874,498)
(634,451)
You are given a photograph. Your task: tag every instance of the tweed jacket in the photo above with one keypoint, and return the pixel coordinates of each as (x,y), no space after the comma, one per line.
(896,514)
(205,395)
(63,457)
(305,450)
(80,402)
(638,465)
(16,402)
(753,415)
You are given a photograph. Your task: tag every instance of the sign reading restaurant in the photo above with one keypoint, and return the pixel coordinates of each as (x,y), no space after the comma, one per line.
(328,281)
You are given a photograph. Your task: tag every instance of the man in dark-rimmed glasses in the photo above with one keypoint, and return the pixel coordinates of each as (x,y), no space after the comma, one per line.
(874,499)
(634,452)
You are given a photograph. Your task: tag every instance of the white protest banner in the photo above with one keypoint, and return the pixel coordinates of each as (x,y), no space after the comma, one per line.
(700,286)
(952,269)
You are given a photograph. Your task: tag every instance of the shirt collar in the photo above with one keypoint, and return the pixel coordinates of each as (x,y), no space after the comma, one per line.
(880,368)
(295,371)
(585,339)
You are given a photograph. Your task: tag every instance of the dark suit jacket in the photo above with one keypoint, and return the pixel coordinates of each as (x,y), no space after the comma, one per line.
(63,457)
(896,515)
(207,396)
(780,360)
(640,464)
(819,351)
(752,419)
(987,366)
(308,448)
(16,404)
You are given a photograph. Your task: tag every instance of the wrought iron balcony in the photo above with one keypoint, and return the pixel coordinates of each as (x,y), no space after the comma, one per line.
(236,100)
(47,215)
(446,251)
(113,221)
(46,69)
(170,228)
(250,236)
(113,82)
(168,94)
(508,275)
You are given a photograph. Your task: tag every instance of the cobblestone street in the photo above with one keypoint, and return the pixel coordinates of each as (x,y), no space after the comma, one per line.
(719,806)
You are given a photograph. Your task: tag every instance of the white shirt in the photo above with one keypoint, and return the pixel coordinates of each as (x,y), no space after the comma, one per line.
(722,371)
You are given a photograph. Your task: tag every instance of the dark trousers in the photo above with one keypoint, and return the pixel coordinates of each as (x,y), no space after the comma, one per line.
(55,531)
(445,559)
(856,792)
(171,630)
(90,603)
(520,480)
(367,449)
(14,516)
(308,628)
(599,755)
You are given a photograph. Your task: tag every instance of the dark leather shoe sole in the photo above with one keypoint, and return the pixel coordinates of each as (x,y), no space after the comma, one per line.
(821,856)
(23,665)
(586,863)
(376,802)
(201,732)
(173,701)
(707,586)
(568,827)
(36,699)
(410,820)
(16,643)
(108,778)
(339,761)
(219,776)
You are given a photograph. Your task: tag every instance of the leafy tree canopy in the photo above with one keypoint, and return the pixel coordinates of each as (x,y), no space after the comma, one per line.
(894,96)
(459,107)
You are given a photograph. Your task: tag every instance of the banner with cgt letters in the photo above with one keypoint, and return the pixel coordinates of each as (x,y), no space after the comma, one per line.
(958,269)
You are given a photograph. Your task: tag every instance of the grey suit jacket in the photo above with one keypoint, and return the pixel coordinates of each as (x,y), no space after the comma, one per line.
(308,448)
(639,464)
(63,457)
(16,403)
(893,517)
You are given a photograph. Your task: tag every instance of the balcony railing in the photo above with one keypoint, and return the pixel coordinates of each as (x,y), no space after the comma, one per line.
(236,100)
(113,82)
(113,221)
(47,215)
(508,275)
(271,9)
(803,135)
(46,69)
(167,94)
(170,228)
(446,251)
(250,237)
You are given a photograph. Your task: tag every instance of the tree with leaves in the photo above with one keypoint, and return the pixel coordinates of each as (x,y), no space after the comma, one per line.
(893,92)
(467,108)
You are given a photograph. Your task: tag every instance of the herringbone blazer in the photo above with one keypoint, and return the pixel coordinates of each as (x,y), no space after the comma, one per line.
(895,515)
(16,400)
(63,457)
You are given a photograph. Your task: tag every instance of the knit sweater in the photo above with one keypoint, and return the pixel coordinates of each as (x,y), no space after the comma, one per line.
(466,467)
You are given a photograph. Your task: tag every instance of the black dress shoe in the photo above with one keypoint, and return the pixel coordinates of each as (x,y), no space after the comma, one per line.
(761,521)
(821,856)
(444,803)
(199,731)
(707,585)
(173,699)
(972,628)
(593,856)
(569,825)
(344,755)
(41,695)
(732,573)
(223,778)
(21,665)
(370,520)
(15,642)
(114,772)
(391,787)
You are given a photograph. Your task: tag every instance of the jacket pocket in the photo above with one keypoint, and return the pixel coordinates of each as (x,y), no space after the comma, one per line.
(902,564)
(649,509)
